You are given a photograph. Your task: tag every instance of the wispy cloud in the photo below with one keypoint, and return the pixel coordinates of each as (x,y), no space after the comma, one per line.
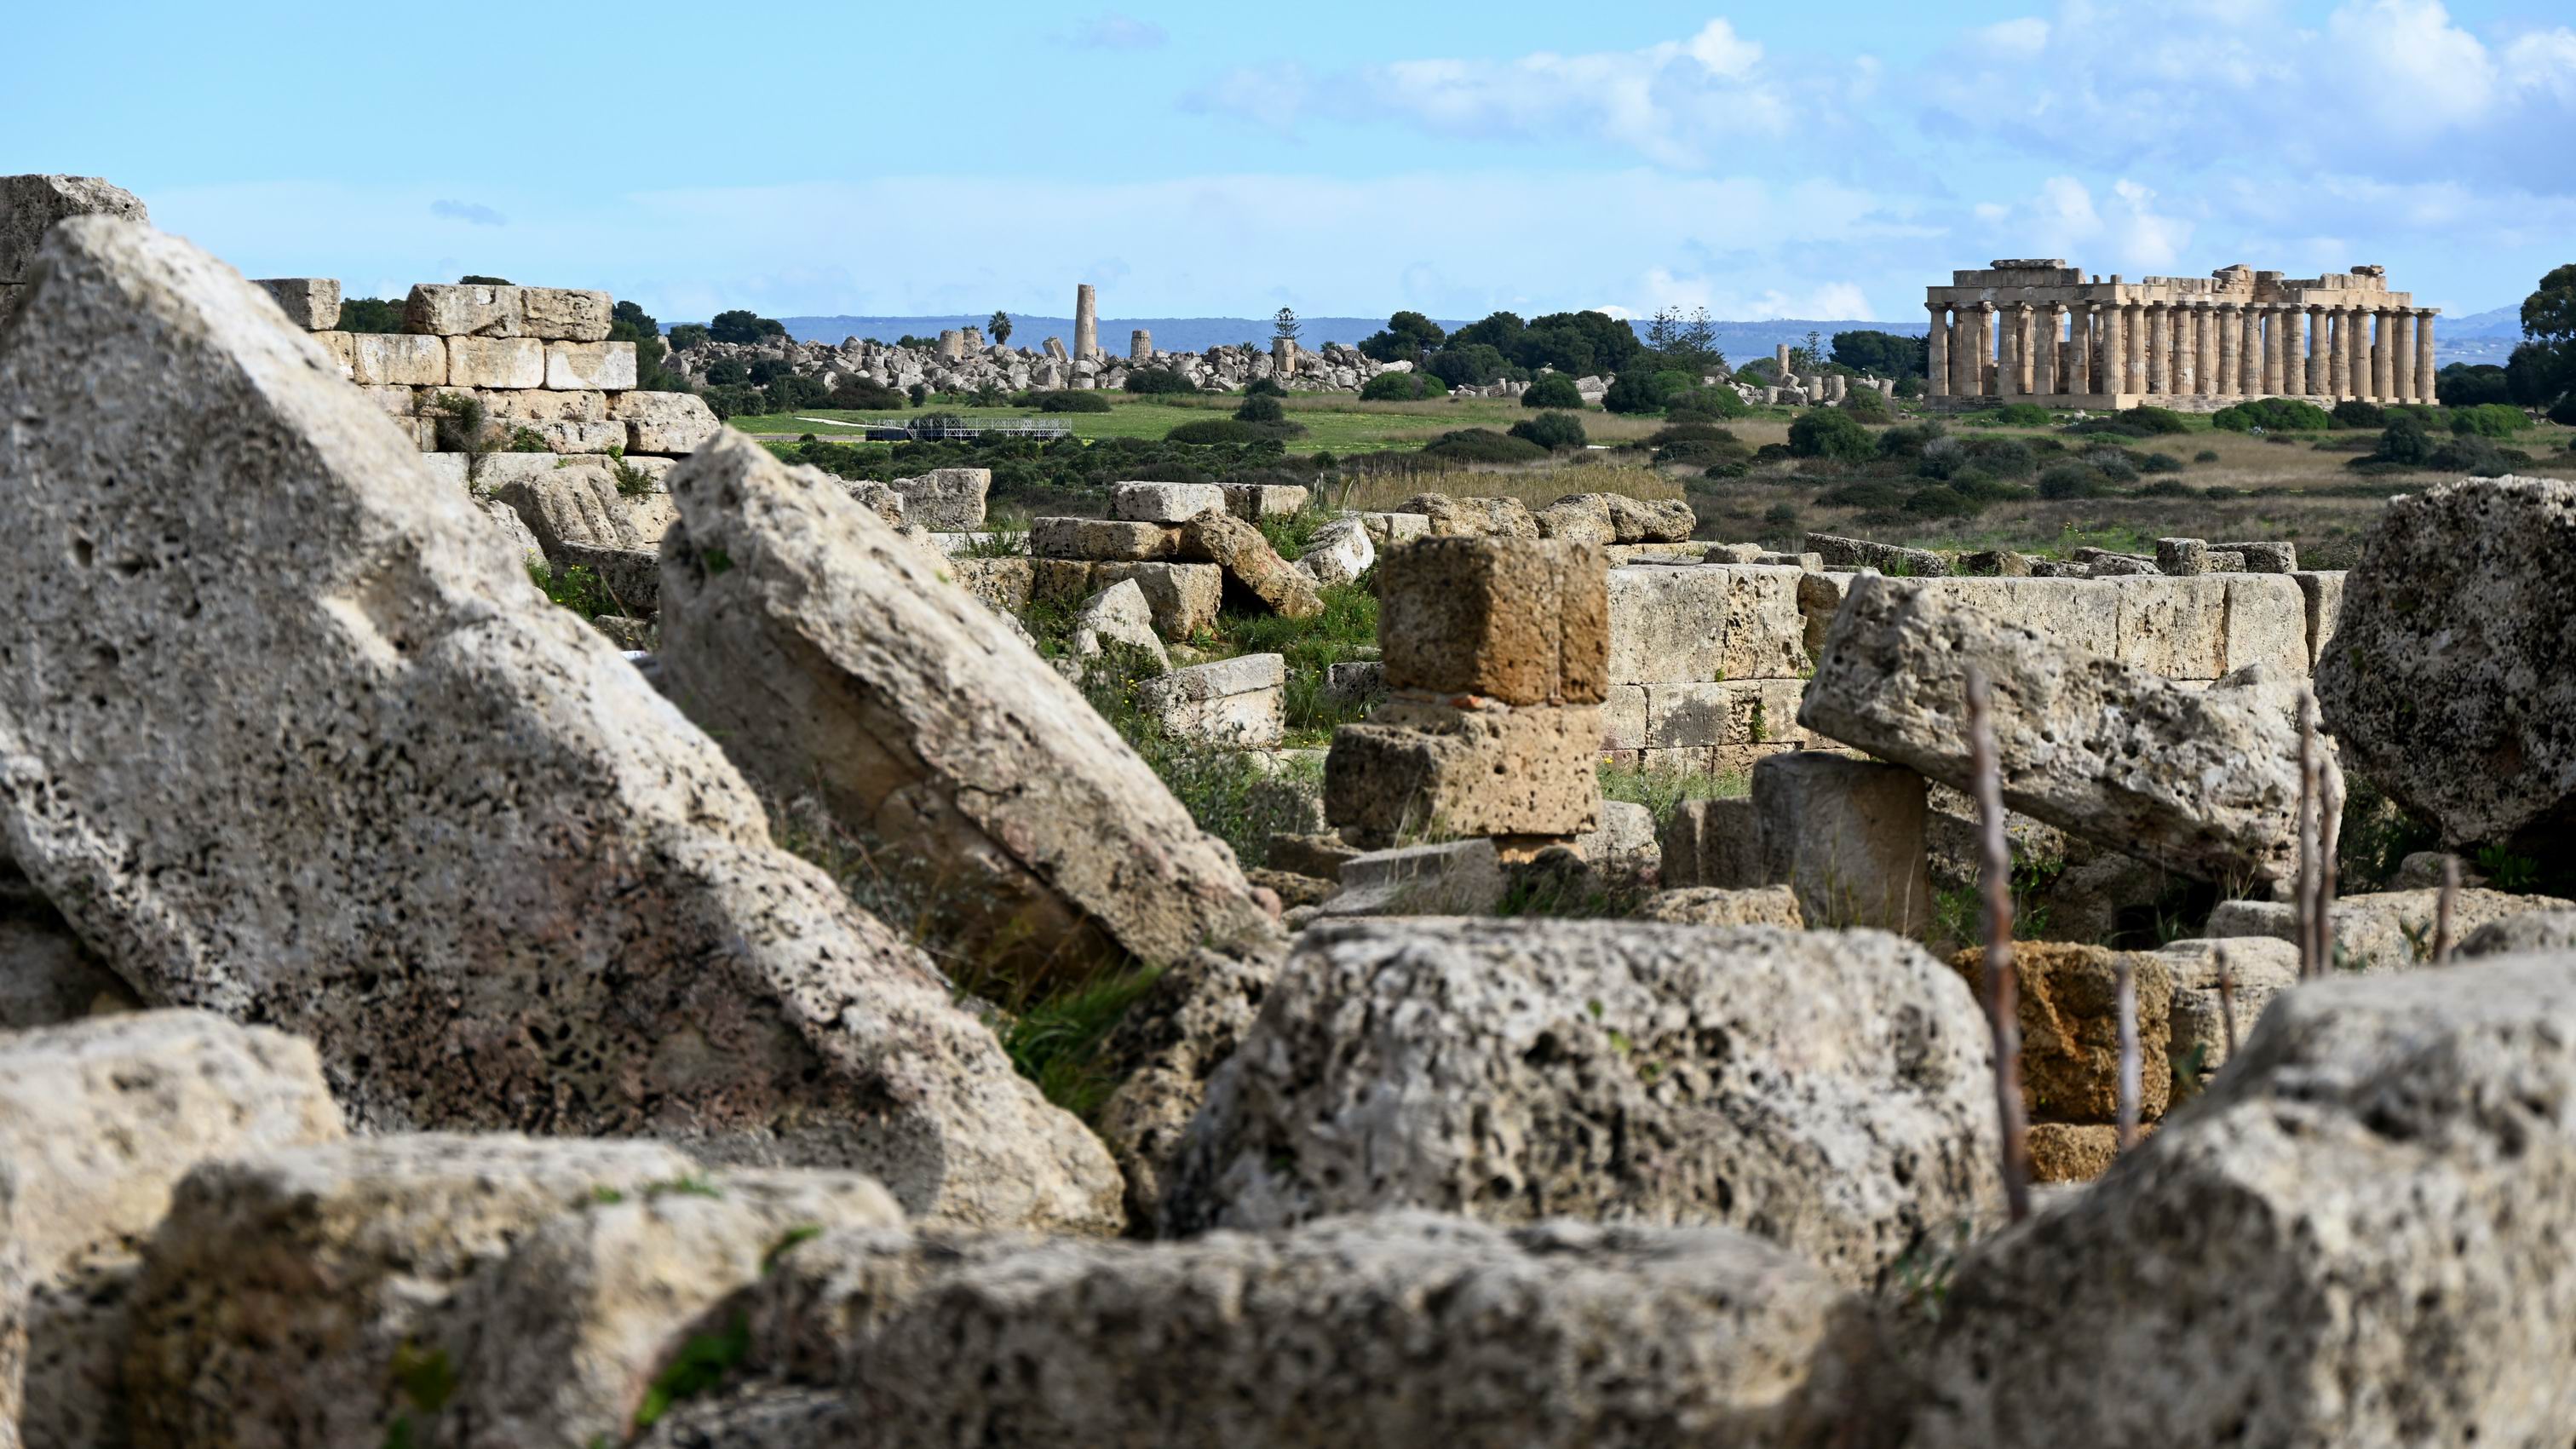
(1111,30)
(469,212)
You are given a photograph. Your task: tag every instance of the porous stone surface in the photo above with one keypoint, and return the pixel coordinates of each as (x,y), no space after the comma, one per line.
(1860,553)
(47,976)
(1847,836)
(590,366)
(1715,844)
(312,303)
(2072,1151)
(1386,1332)
(1164,502)
(823,650)
(1103,538)
(1829,1091)
(2205,782)
(498,362)
(2383,930)
(1237,703)
(1711,622)
(2067,994)
(1638,520)
(558,1342)
(2257,968)
(1448,878)
(1524,621)
(2451,682)
(1445,516)
(1339,552)
(1713,906)
(1118,614)
(30,205)
(1164,1050)
(1491,770)
(946,500)
(563,504)
(1253,502)
(2355,1236)
(394,359)
(663,422)
(478,848)
(1247,558)
(2550,930)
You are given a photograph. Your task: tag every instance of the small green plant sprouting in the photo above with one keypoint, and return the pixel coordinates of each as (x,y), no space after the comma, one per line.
(1924,1274)
(632,482)
(717,561)
(801,1233)
(997,543)
(578,588)
(606,1196)
(703,1363)
(2506,871)
(688,1185)
(527,440)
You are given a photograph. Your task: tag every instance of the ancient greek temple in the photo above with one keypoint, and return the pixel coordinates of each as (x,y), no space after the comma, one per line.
(2038,331)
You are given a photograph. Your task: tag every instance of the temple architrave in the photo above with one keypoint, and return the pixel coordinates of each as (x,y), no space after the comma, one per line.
(2038,331)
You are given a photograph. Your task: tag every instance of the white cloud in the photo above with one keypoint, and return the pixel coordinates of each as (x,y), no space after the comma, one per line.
(1113,31)
(2021,38)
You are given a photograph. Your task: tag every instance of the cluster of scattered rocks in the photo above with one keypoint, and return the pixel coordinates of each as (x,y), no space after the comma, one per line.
(962,362)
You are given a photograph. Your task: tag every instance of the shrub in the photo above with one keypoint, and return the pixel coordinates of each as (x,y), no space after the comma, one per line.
(2112,463)
(2489,420)
(2168,488)
(2017,415)
(2352,412)
(1551,430)
(1708,402)
(1911,439)
(1261,409)
(1403,387)
(1471,365)
(857,396)
(727,372)
(1863,402)
(2405,440)
(2272,415)
(1637,392)
(1065,400)
(2205,455)
(2003,457)
(1483,445)
(2563,411)
(2071,480)
(2159,463)
(1264,387)
(2477,457)
(735,401)
(1937,500)
(1690,432)
(1867,493)
(1830,433)
(1217,430)
(1156,381)
(2148,421)
(1700,452)
(1552,390)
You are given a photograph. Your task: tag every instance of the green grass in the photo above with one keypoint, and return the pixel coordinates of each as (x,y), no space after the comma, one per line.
(1335,423)
(1663,791)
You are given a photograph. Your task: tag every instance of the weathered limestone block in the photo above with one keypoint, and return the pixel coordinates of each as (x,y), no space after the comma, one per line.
(1164,1049)
(1712,906)
(1004,585)
(1731,712)
(47,977)
(2204,782)
(2451,682)
(1860,553)
(2072,1152)
(339,345)
(1418,765)
(311,303)
(828,657)
(2258,969)
(2077,615)
(1388,1332)
(542,405)
(1247,558)
(1848,836)
(2357,1235)
(1715,621)
(2068,1007)
(565,314)
(1636,520)
(873,496)
(496,362)
(1239,703)
(1449,517)
(1523,621)
(1623,717)
(1820,597)
(2382,930)
(1625,838)
(1388,529)
(558,1342)
(576,504)
(1118,614)
(394,359)
(1184,596)
(590,366)
(1164,502)
(2276,557)
(612,942)
(2552,930)
(2321,593)
(1829,1091)
(1451,878)
(1578,518)
(946,500)
(632,577)
(1253,502)
(1338,553)
(1103,538)
(1715,844)
(2182,557)
(505,521)
(672,423)
(437,309)
(30,205)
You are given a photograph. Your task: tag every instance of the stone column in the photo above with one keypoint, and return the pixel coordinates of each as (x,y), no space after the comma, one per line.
(2051,357)
(2077,370)
(2133,347)
(2356,347)
(1140,346)
(2251,347)
(1936,359)
(2112,375)
(2426,383)
(2189,334)
(2320,349)
(2004,369)
(2204,335)
(2400,326)
(2231,354)
(2339,355)
(2276,335)
(1086,323)
(1983,354)
(2159,348)
(2383,355)
(1780,364)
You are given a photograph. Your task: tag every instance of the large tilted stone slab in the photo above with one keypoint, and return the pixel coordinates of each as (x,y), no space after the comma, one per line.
(494,877)
(828,655)
(1249,560)
(2451,681)
(2358,1235)
(2205,782)
(30,205)
(1829,1091)
(1389,1332)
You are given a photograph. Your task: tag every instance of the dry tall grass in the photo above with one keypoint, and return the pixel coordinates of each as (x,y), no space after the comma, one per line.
(1536,487)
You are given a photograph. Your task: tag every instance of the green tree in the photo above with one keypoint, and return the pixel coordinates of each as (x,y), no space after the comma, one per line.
(1830,433)
(1406,337)
(1685,343)
(688,336)
(630,323)
(483,282)
(1283,325)
(741,326)
(1884,354)
(999,328)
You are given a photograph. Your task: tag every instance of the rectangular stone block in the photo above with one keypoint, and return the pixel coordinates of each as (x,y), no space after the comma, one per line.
(1253,502)
(1848,836)
(436,309)
(1006,584)
(2169,626)
(663,422)
(2266,622)
(1183,597)
(1730,712)
(1524,621)
(541,405)
(496,362)
(946,500)
(337,344)
(590,366)
(448,467)
(393,402)
(397,358)
(1712,843)
(1710,622)
(1239,703)
(2321,596)
(1623,718)
(570,435)
(563,314)
(1164,502)
(1385,529)
(2078,614)
(1103,538)
(1417,768)
(311,303)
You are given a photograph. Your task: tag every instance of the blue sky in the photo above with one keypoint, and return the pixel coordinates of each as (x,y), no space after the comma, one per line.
(1341,158)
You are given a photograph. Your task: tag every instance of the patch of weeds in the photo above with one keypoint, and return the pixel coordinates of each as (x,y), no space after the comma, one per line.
(688,1185)
(1922,1277)
(578,588)
(1056,1037)
(1290,533)
(606,1196)
(997,543)
(632,482)
(703,1364)
(2186,1075)
(1959,912)
(801,1233)
(526,440)
(2506,871)
(1663,791)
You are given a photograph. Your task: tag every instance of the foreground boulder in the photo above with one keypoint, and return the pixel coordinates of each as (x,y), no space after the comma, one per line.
(2205,782)
(2451,681)
(829,655)
(1163,1052)
(1827,1091)
(1389,1332)
(2356,1236)
(99,1121)
(288,734)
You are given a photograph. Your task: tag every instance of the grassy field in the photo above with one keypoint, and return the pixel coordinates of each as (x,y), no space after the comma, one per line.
(1335,424)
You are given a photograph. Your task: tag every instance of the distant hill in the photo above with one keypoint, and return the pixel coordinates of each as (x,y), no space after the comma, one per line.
(2502,322)
(1740,341)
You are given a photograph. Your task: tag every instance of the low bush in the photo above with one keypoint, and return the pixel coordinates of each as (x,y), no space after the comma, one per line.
(2352,412)
(1483,445)
(1707,402)
(2272,415)
(2205,455)
(1702,452)
(1261,408)
(1552,390)
(2003,457)
(2489,420)
(2563,413)
(2017,415)
(1919,441)
(1689,432)
(1157,381)
(2168,488)
(2115,464)
(1867,493)
(1637,391)
(1830,433)
(1551,431)
(2141,421)
(1065,400)
(1264,387)
(2159,463)
(1217,430)
(859,396)
(1403,387)
(2071,480)
(1864,403)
